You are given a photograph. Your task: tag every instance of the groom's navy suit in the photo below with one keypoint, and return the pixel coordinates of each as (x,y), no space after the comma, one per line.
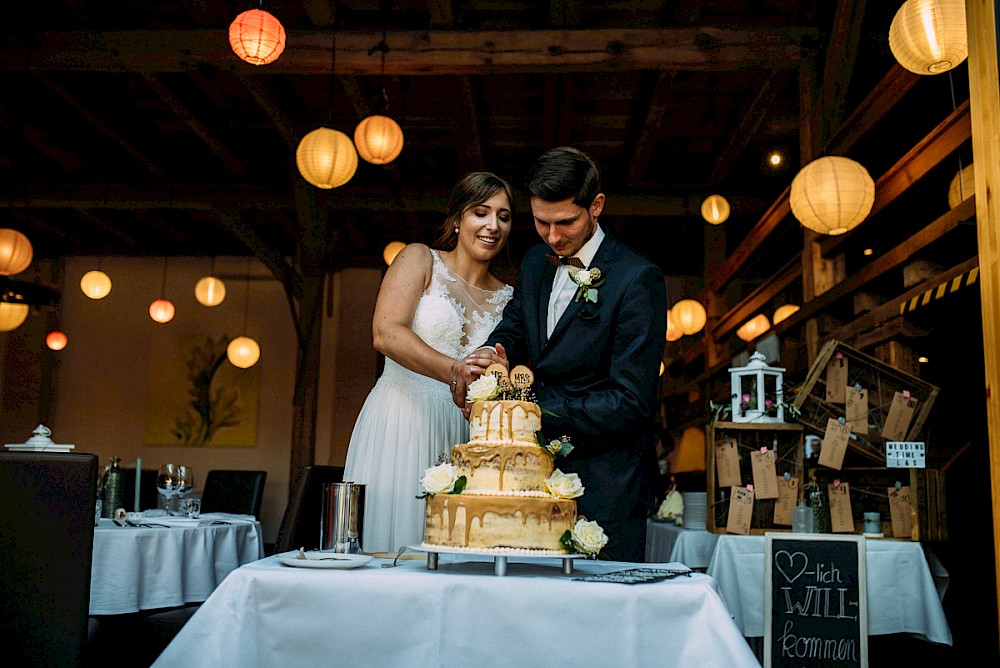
(596,376)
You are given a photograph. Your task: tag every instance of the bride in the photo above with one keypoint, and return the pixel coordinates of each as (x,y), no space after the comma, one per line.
(433,308)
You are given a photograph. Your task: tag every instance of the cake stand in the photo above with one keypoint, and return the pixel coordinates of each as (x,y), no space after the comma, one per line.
(499,557)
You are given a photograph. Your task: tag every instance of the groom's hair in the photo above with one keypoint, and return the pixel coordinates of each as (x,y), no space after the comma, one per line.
(565,172)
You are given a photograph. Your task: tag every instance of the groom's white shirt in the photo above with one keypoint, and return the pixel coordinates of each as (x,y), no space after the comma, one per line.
(563,287)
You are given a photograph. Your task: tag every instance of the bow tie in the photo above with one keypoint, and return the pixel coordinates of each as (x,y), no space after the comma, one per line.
(571,261)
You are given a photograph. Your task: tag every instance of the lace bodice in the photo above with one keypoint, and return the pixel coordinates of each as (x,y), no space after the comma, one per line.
(452,317)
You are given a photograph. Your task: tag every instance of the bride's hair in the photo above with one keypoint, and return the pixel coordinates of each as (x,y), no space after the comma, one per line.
(472,190)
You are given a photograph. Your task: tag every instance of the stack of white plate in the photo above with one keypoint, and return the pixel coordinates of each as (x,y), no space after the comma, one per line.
(695,510)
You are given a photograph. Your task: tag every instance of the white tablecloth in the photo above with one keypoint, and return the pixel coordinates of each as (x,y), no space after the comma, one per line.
(902,594)
(666,541)
(145,568)
(268,614)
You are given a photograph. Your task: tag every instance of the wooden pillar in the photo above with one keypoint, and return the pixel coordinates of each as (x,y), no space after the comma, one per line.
(981,18)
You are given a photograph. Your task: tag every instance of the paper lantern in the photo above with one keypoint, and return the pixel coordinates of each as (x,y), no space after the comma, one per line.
(673,331)
(962,187)
(95,284)
(929,36)
(756,392)
(391,250)
(209,291)
(715,209)
(161,311)
(15,252)
(832,195)
(326,158)
(56,340)
(689,316)
(783,312)
(12,315)
(753,328)
(243,352)
(257,37)
(379,139)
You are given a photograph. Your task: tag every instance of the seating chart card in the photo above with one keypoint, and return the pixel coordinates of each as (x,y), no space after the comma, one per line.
(834,444)
(788,495)
(841,518)
(857,409)
(765,477)
(905,455)
(901,411)
(740,511)
(638,575)
(836,379)
(900,511)
(727,463)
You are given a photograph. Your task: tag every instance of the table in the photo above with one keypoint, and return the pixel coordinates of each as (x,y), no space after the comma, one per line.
(153,567)
(666,541)
(268,614)
(902,594)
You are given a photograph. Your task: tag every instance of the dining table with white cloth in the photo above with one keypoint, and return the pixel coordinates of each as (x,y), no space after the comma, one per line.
(905,586)
(167,561)
(463,613)
(666,541)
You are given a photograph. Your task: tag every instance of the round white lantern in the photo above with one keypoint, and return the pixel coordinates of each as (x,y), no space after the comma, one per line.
(12,315)
(832,195)
(929,36)
(243,352)
(95,284)
(962,187)
(209,291)
(326,158)
(715,209)
(753,327)
(689,316)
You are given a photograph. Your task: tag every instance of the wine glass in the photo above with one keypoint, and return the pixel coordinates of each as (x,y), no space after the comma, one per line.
(168,483)
(185,480)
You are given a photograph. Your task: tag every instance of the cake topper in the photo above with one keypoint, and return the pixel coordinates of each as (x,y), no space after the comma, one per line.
(521,377)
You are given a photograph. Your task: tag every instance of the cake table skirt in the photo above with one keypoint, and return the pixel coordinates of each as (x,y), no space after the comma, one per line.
(267,614)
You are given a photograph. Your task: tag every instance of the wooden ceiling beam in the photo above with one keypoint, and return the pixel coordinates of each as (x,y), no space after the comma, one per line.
(433,52)
(200,130)
(649,128)
(841,55)
(268,102)
(101,126)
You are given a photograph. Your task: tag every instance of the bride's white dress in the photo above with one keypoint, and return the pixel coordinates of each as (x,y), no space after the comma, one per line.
(408,420)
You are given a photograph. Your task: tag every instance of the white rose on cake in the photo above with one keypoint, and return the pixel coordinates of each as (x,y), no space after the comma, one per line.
(588,537)
(564,485)
(439,479)
(483,388)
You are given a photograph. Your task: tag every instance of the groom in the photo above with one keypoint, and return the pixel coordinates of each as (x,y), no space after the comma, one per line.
(595,354)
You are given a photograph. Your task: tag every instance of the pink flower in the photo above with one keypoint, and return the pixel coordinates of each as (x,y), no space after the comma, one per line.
(768,403)
(746,398)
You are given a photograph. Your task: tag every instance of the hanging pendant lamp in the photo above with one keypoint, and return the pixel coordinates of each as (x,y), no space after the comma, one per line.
(832,195)
(162,309)
(210,290)
(56,340)
(243,352)
(257,37)
(929,36)
(15,252)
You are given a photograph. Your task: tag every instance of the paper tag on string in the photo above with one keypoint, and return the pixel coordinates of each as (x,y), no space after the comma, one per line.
(788,495)
(901,411)
(857,409)
(727,464)
(834,444)
(740,511)
(836,380)
(765,476)
(841,517)
(901,512)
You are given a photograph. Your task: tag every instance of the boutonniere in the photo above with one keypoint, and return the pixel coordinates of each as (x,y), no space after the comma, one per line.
(587,281)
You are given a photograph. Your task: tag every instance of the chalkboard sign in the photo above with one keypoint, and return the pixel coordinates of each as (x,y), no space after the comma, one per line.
(816,601)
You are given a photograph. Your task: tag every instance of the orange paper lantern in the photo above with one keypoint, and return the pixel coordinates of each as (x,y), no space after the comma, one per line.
(15,252)
(753,328)
(689,316)
(161,311)
(56,340)
(379,139)
(257,37)
(326,158)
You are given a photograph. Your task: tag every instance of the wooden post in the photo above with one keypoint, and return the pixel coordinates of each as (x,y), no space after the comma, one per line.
(981,19)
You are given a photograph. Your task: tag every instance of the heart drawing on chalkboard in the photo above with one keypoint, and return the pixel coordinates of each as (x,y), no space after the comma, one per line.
(791,564)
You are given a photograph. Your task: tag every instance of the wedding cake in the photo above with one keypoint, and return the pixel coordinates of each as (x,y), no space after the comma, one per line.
(502,491)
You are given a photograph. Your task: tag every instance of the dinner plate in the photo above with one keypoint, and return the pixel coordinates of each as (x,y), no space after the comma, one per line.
(321,559)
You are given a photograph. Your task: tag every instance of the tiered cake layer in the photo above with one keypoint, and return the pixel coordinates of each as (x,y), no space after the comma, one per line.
(504,421)
(498,522)
(502,467)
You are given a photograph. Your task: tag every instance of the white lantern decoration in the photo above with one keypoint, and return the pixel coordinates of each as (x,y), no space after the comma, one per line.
(715,209)
(753,327)
(209,291)
(756,392)
(243,352)
(326,158)
(929,36)
(832,195)
(689,316)
(12,315)
(96,284)
(962,186)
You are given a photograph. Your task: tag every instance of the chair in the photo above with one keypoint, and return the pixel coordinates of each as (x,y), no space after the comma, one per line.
(300,525)
(148,496)
(46,548)
(238,492)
